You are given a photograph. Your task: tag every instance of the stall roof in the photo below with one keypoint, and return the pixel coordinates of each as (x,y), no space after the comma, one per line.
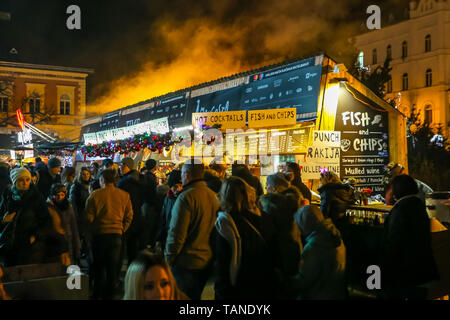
(98,118)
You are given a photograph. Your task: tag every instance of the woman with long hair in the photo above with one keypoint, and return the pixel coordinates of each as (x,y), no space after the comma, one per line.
(149,278)
(245,268)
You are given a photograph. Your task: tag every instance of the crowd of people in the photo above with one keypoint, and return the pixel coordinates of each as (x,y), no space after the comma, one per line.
(202,225)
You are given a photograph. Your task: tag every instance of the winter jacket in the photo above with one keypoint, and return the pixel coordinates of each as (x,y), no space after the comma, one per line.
(281,231)
(32,220)
(244,268)
(407,257)
(335,199)
(132,184)
(213,182)
(150,182)
(193,216)
(166,215)
(45,182)
(322,268)
(304,190)
(67,221)
(109,211)
(78,194)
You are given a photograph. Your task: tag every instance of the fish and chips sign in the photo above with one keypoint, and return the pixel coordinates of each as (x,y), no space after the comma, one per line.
(157,126)
(324,154)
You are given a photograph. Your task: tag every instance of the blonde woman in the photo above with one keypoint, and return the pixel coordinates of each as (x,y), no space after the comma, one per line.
(149,278)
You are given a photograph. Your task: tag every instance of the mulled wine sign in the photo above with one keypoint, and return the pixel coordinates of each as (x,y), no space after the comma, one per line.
(364,139)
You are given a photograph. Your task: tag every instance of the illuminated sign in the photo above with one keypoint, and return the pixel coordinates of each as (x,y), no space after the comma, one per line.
(20,119)
(227,120)
(272,117)
(157,126)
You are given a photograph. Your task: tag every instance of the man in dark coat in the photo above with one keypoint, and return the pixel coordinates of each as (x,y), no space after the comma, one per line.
(130,182)
(407,257)
(49,176)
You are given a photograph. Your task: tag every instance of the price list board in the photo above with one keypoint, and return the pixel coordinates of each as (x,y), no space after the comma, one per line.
(274,141)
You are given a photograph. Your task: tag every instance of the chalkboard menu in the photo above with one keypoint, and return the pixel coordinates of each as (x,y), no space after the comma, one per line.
(364,139)
(174,108)
(291,86)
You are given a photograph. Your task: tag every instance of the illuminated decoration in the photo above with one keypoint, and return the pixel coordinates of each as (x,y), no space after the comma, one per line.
(158,126)
(20,119)
(153,141)
(25,136)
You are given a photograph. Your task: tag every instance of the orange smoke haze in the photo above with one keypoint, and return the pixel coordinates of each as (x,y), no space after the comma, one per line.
(196,50)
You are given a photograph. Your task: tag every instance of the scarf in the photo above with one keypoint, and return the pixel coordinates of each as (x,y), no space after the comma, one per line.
(226,227)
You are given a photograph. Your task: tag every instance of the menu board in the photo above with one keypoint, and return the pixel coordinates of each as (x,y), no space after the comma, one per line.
(174,108)
(287,141)
(364,139)
(292,86)
(216,101)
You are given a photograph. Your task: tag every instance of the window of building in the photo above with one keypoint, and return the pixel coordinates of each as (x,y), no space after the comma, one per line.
(405,82)
(389,52)
(428,43)
(389,86)
(64,104)
(374,56)
(4,104)
(404,49)
(35,105)
(428,114)
(428,78)
(361,59)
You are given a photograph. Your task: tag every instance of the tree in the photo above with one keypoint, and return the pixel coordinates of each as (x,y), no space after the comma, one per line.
(428,153)
(7,90)
(375,80)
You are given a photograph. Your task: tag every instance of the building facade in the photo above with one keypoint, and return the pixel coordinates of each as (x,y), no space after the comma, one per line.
(51,98)
(420,51)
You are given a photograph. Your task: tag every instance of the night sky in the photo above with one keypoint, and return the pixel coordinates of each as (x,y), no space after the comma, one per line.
(141,49)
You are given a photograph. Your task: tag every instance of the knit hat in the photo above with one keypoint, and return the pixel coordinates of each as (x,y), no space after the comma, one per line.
(128,162)
(53,163)
(174,178)
(19,173)
(150,164)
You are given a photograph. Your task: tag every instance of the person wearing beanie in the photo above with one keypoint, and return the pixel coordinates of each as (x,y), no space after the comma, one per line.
(49,176)
(64,220)
(132,184)
(276,183)
(31,237)
(175,187)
